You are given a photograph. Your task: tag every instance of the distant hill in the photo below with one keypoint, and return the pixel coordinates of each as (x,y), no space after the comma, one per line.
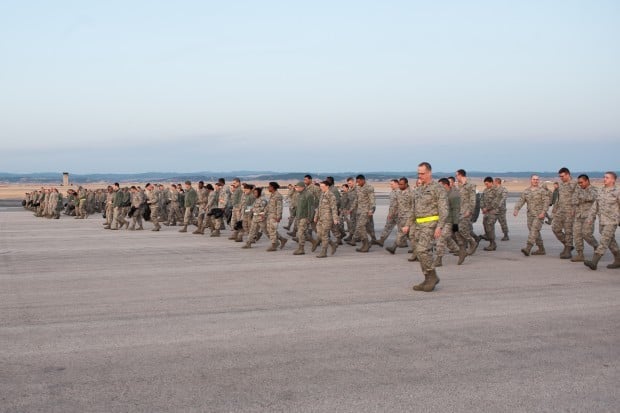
(209,176)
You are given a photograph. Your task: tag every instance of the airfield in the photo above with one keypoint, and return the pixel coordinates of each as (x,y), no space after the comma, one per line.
(139,321)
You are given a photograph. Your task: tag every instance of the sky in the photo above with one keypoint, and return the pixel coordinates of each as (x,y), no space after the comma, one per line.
(185,86)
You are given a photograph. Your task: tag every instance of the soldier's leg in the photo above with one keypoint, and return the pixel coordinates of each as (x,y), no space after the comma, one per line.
(370,227)
(465,235)
(425,237)
(536,236)
(503,223)
(557,226)
(587,233)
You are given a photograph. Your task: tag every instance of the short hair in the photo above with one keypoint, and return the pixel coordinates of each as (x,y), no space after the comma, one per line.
(404,179)
(394,180)
(584,176)
(498,180)
(116,184)
(325,182)
(274,185)
(174,186)
(349,179)
(308,176)
(133,187)
(461,172)
(612,173)
(236,180)
(426,165)
(210,187)
(148,184)
(188,182)
(330,180)
(221,181)
(563,170)
(247,186)
(201,182)
(444,181)
(258,190)
(360,176)
(488,179)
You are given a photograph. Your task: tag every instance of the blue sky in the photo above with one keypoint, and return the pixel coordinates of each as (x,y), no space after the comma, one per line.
(136,86)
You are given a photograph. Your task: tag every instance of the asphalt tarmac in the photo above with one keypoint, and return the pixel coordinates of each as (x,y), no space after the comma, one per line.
(93,320)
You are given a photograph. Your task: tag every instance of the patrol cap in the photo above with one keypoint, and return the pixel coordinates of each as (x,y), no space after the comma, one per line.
(301,184)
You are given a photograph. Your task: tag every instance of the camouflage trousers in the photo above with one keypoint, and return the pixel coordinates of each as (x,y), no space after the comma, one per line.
(390,223)
(109,214)
(136,218)
(488,222)
(188,215)
(323,227)
(272,229)
(583,231)
(446,240)
(608,239)
(81,212)
(425,239)
(501,217)
(257,225)
(236,216)
(174,212)
(302,230)
(362,221)
(401,237)
(562,227)
(155,215)
(118,217)
(465,231)
(534,225)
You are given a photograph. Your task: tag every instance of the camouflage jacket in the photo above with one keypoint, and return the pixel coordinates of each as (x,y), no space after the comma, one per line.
(430,200)
(583,200)
(537,200)
(607,206)
(327,210)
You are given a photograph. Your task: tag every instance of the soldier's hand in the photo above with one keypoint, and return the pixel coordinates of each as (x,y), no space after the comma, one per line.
(515,213)
(437,232)
(405,230)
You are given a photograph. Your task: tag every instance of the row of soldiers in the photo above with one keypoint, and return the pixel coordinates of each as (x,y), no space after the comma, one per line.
(346,214)
(49,202)
(575,210)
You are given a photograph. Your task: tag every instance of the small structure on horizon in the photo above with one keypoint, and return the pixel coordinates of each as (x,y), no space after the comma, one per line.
(65,179)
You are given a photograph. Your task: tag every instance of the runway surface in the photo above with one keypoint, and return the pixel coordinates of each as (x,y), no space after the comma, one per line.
(121,321)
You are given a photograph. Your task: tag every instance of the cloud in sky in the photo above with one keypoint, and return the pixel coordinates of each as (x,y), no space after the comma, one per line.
(121,86)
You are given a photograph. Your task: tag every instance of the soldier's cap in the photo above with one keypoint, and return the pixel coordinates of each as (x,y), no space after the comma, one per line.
(301,184)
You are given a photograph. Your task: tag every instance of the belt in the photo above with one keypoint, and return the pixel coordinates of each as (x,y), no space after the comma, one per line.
(422,220)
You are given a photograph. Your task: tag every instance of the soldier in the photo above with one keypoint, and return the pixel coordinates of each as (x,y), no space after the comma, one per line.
(365,208)
(137,208)
(81,206)
(189,203)
(491,202)
(430,212)
(564,213)
(118,209)
(304,213)
(583,198)
(326,215)
(292,206)
(258,217)
(221,200)
(501,212)
(403,210)
(392,217)
(109,206)
(203,201)
(351,211)
(152,199)
(246,204)
(537,200)
(467,192)
(345,218)
(274,216)
(451,225)
(236,202)
(607,207)
(173,206)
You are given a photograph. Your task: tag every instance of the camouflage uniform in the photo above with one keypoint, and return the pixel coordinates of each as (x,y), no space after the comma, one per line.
(467,192)
(392,217)
(258,219)
(446,239)
(274,216)
(501,212)
(537,200)
(564,214)
(304,213)
(364,207)
(292,196)
(403,210)
(491,201)
(189,203)
(152,199)
(247,203)
(325,217)
(137,205)
(118,210)
(109,208)
(582,228)
(203,201)
(430,211)
(607,207)
(81,209)
(174,209)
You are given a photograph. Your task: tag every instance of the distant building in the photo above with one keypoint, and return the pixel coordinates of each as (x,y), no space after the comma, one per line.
(65,179)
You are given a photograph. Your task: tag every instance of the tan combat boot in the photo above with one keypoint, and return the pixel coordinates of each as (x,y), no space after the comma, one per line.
(273,247)
(299,250)
(566,252)
(283,241)
(579,257)
(594,262)
(365,246)
(315,243)
(462,254)
(437,262)
(334,246)
(491,247)
(420,287)
(323,252)
(432,281)
(540,250)
(379,242)
(392,249)
(184,229)
(247,245)
(215,233)
(616,263)
(527,250)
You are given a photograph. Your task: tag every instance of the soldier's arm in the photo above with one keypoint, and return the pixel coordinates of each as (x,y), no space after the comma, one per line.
(519,204)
